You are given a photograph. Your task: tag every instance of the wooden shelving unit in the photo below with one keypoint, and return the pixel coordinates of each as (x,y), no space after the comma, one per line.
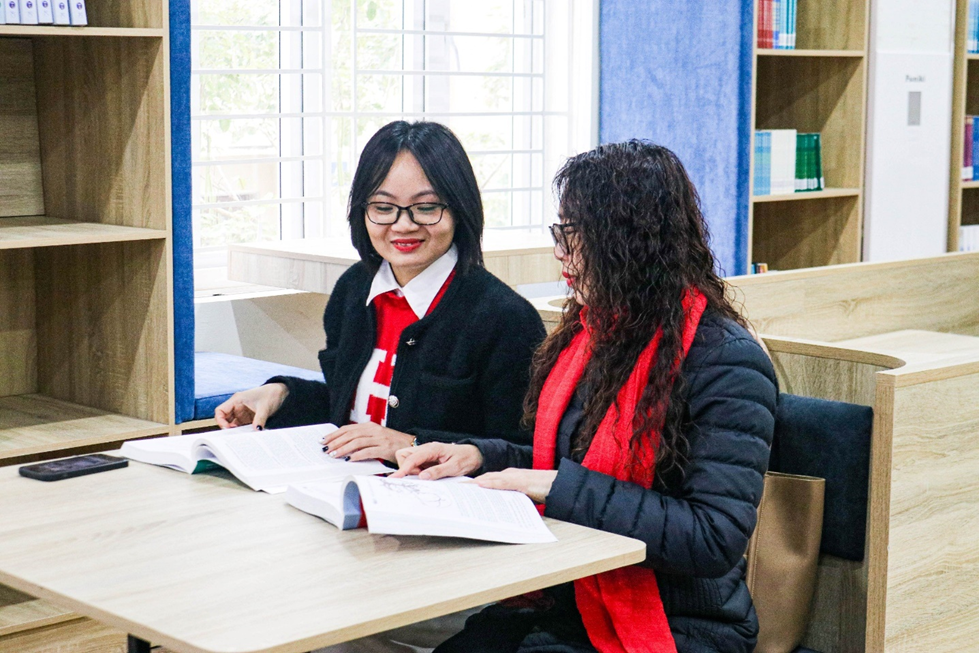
(963,196)
(85,272)
(821,86)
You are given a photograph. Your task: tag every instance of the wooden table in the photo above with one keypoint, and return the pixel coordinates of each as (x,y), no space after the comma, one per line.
(202,564)
(516,257)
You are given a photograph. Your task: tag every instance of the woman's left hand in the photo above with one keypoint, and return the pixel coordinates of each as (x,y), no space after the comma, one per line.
(535,483)
(366,441)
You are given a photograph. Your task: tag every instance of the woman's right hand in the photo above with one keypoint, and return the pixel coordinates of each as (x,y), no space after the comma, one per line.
(436,460)
(253,406)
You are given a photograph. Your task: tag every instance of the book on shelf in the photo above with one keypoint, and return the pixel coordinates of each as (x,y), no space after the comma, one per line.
(967,152)
(787,162)
(777,24)
(410,506)
(28,12)
(61,14)
(969,238)
(10,14)
(972,27)
(263,460)
(77,12)
(45,12)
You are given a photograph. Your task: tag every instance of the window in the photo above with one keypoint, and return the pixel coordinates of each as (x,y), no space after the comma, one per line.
(287,92)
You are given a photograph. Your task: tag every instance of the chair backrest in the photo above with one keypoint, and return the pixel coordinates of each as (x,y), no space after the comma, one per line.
(830,440)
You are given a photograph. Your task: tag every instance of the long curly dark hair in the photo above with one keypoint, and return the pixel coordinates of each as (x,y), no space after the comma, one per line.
(639,241)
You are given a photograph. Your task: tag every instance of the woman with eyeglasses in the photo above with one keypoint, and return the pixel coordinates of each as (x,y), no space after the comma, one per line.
(653,411)
(422,343)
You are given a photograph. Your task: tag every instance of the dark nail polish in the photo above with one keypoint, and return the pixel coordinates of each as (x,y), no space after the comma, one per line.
(325,449)
(346,458)
(260,428)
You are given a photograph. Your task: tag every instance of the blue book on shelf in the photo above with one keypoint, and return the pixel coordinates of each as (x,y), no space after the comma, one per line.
(793,9)
(972,27)
(975,145)
(776,23)
(763,163)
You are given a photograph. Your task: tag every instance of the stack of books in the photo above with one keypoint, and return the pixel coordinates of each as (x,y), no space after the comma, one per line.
(969,238)
(970,171)
(787,162)
(776,24)
(43,12)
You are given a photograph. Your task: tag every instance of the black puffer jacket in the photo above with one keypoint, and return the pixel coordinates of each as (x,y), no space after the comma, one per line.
(695,522)
(462,370)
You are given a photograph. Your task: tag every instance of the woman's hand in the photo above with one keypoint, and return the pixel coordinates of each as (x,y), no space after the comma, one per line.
(535,483)
(366,441)
(253,406)
(437,460)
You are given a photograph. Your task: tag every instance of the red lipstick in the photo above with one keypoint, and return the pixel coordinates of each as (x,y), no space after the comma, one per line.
(406,245)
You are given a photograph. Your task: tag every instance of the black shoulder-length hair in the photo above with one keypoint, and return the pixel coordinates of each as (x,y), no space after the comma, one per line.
(447,167)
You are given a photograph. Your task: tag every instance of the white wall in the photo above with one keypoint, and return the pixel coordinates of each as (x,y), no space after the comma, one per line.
(906,202)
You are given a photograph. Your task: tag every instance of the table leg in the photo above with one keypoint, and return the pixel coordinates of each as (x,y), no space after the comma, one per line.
(137,645)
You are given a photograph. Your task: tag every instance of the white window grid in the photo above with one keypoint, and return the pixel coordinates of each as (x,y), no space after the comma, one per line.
(302,203)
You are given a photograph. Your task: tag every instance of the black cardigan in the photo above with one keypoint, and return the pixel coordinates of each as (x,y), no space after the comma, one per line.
(695,523)
(462,370)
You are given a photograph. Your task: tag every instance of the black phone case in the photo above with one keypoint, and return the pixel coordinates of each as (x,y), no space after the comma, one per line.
(57,470)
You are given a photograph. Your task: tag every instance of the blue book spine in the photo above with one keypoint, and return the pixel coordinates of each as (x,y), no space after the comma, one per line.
(792,16)
(975,148)
(776,23)
(757,171)
(972,25)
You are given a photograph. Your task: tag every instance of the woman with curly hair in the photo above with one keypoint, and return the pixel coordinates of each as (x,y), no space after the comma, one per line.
(652,409)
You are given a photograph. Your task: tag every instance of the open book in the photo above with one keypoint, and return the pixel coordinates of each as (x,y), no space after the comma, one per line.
(262,460)
(408,506)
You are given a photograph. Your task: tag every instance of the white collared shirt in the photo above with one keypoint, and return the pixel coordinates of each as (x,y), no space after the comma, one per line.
(420,291)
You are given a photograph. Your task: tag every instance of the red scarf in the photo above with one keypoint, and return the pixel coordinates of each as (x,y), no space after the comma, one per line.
(621,609)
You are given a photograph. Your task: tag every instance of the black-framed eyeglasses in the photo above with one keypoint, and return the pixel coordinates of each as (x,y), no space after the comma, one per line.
(422,213)
(560,232)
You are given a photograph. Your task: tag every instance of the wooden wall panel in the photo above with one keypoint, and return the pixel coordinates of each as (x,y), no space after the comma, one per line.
(933,548)
(102,315)
(18,338)
(104,145)
(20,154)
(865,299)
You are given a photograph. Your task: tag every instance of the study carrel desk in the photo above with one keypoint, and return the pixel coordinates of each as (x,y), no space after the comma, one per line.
(202,564)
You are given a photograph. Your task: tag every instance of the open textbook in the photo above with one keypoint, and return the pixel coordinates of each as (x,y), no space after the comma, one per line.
(262,460)
(409,506)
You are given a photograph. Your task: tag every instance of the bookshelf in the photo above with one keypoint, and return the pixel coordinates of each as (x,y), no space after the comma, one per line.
(963,196)
(821,86)
(85,232)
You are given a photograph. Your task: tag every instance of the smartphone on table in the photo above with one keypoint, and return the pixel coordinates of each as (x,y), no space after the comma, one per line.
(56,470)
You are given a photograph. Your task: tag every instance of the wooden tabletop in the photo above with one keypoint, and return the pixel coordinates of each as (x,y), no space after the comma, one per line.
(202,564)
(315,264)
(916,345)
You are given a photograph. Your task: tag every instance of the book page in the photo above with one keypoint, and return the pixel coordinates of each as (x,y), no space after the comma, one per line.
(408,506)
(269,460)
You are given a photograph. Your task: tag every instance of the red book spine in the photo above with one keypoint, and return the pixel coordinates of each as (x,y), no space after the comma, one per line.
(765,35)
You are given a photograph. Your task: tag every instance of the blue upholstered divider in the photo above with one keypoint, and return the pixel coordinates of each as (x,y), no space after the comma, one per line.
(678,72)
(183,241)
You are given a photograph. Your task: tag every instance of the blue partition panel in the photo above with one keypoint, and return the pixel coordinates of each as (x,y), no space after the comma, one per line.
(678,73)
(183,240)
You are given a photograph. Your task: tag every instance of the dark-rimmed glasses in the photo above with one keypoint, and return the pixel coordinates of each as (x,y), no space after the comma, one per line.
(422,213)
(560,232)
